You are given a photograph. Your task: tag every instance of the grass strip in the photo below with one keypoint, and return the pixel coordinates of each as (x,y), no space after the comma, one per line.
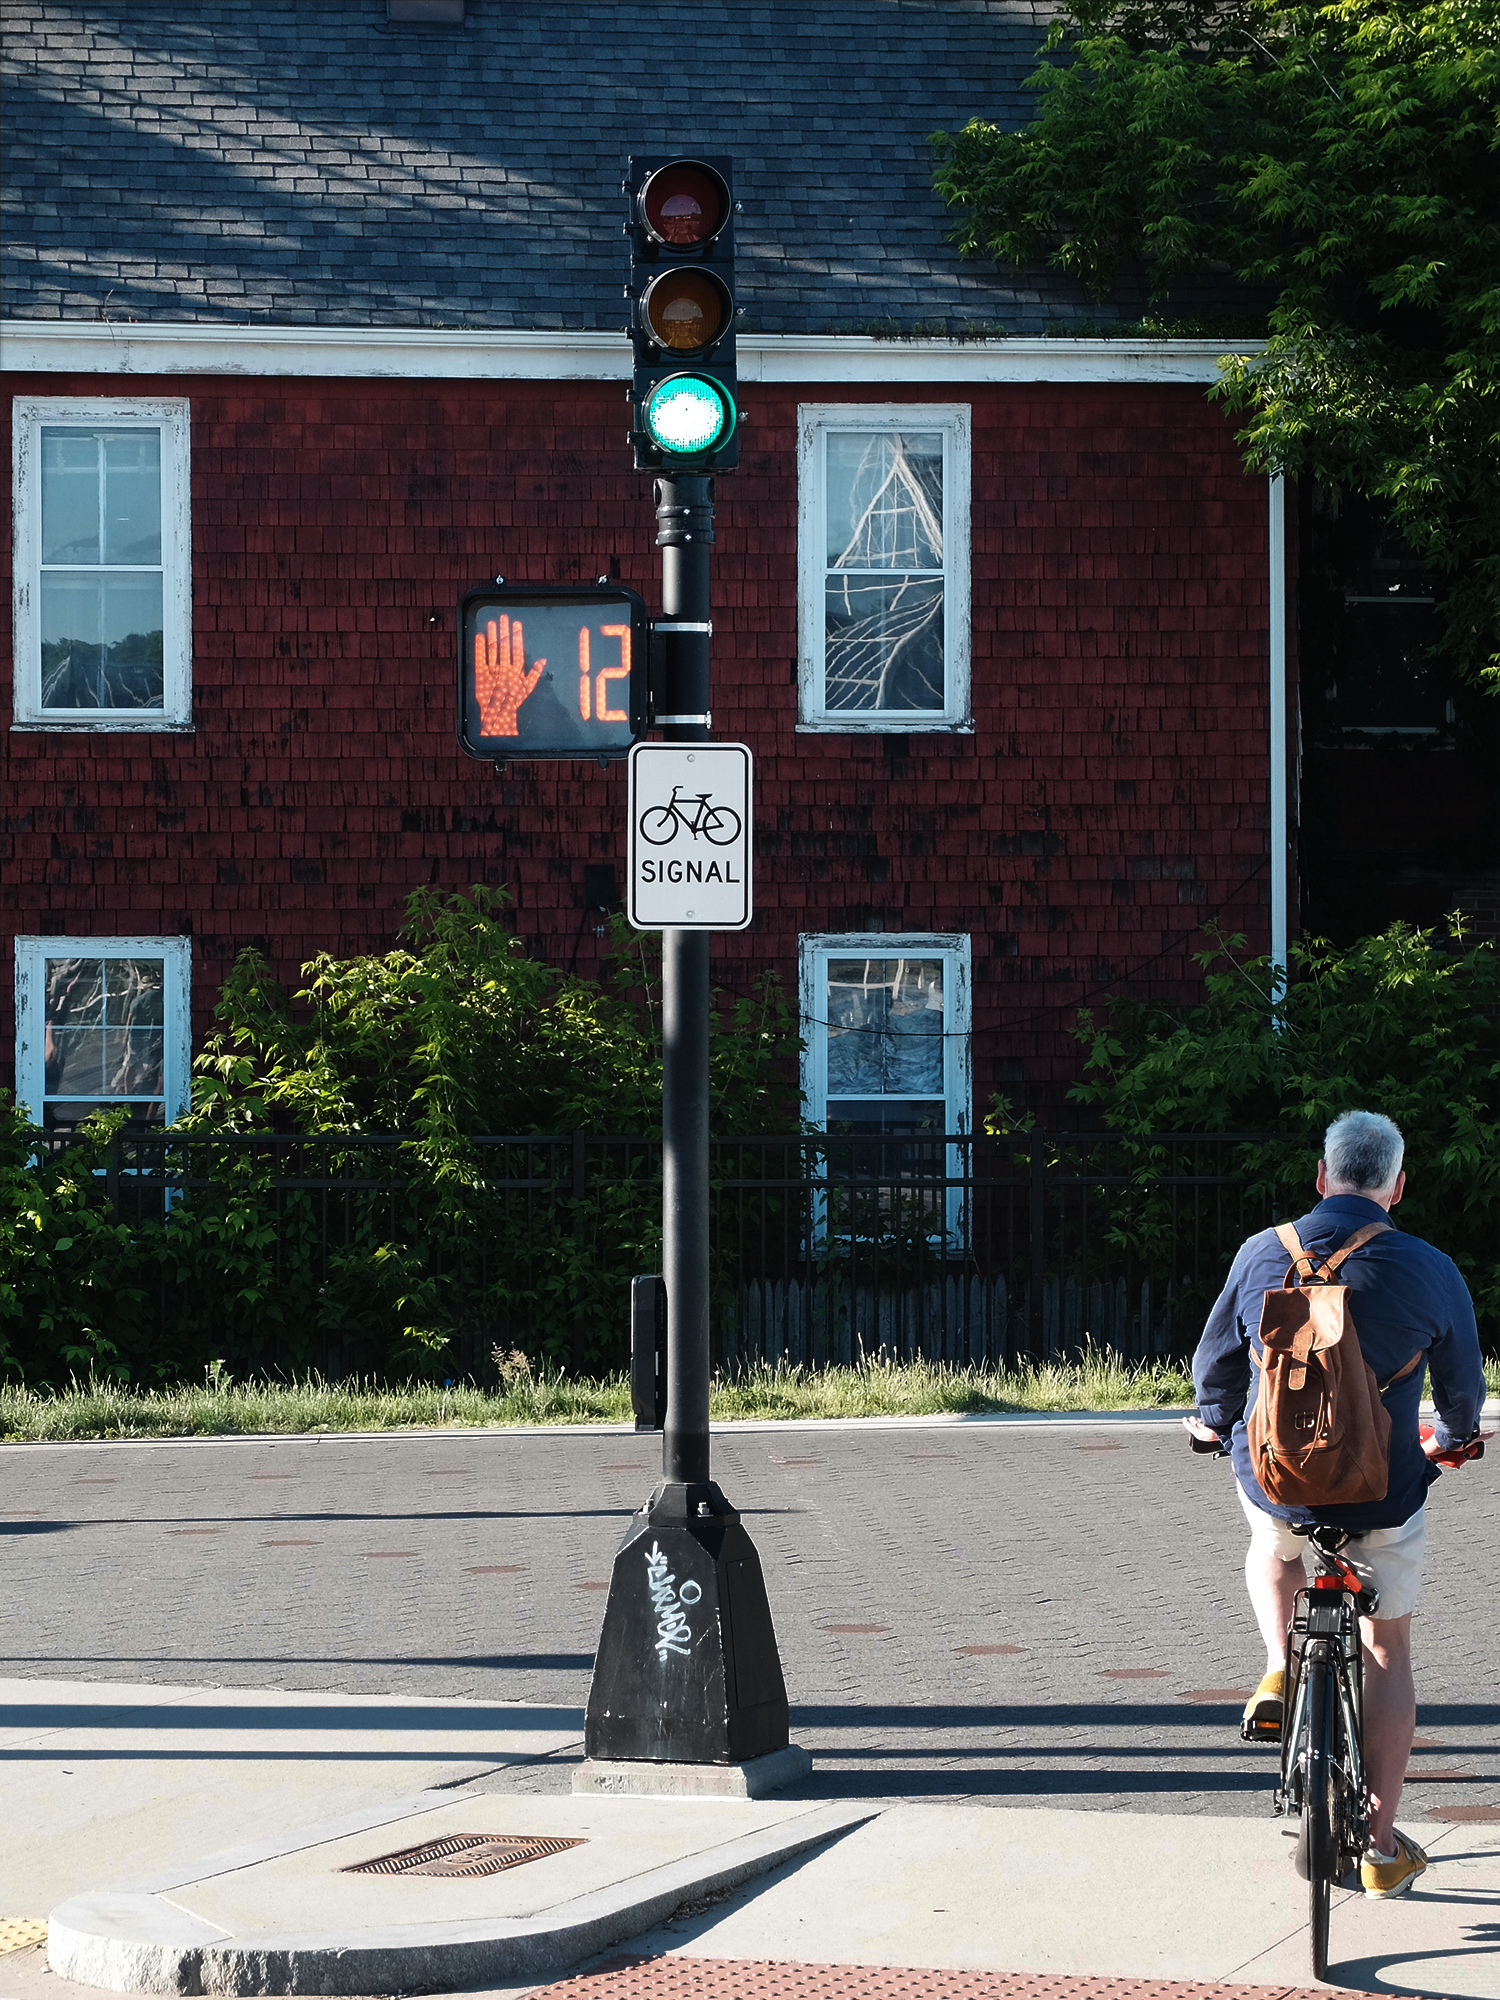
(93,1409)
(97,1408)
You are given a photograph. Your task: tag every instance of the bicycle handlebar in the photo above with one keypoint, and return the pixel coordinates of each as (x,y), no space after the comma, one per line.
(1460,1454)
(1209,1447)
(1209,1443)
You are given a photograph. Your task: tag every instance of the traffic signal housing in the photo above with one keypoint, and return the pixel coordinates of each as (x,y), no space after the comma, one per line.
(685,390)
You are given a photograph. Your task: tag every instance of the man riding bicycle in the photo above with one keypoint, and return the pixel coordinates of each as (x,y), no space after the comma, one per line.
(1411,1308)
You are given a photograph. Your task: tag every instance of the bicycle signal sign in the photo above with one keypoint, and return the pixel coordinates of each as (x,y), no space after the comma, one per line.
(690,837)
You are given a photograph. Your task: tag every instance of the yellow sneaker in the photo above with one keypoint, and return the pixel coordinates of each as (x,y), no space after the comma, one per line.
(1381,1877)
(1261,1722)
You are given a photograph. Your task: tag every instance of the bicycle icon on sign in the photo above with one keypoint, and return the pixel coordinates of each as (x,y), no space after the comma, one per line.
(719,825)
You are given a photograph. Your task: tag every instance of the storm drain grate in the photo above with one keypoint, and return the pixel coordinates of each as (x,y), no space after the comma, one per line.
(465,1854)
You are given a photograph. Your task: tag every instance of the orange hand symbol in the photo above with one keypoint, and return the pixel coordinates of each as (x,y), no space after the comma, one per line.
(501,682)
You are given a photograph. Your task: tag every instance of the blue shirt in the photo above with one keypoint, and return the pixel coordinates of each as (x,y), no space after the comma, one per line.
(1405,1298)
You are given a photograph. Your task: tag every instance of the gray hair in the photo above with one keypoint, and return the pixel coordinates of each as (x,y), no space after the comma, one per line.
(1362,1153)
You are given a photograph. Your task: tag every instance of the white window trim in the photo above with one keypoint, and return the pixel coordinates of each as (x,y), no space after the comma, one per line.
(953,947)
(814,423)
(171,415)
(32,954)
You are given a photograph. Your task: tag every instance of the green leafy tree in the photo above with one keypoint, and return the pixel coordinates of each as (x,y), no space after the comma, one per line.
(1394,1023)
(1340,163)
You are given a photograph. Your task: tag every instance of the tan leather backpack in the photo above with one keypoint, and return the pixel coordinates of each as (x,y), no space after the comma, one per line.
(1319,1434)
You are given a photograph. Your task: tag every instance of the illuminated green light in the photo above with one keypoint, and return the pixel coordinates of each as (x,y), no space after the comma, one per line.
(687,414)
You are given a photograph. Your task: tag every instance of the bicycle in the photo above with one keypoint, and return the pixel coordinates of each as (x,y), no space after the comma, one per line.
(719,825)
(1322,1780)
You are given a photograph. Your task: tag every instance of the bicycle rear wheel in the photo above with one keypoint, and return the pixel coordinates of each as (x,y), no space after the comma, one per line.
(721,826)
(1319,1842)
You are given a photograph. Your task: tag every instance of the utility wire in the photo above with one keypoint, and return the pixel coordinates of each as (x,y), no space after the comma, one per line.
(1052,1006)
(1182,937)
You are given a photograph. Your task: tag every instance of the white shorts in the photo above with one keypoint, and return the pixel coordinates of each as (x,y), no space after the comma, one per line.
(1388,1559)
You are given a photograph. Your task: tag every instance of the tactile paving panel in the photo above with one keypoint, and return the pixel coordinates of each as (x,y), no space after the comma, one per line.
(762,1979)
(20,1933)
(464,1854)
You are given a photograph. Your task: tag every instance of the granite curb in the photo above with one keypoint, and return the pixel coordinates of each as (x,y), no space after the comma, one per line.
(934,1420)
(139,1939)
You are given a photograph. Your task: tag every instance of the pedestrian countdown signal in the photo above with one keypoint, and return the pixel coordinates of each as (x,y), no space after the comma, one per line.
(551,673)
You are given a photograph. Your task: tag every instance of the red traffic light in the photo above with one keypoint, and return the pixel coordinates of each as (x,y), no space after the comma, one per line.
(684,205)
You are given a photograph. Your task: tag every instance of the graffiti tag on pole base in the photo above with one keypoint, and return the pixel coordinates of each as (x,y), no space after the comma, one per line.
(673,1632)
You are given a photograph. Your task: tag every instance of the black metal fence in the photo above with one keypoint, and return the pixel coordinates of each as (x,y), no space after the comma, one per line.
(824,1249)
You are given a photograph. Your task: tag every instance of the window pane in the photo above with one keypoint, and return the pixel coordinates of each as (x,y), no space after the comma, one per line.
(84,470)
(132,497)
(886,1117)
(1387,678)
(885,500)
(885,1028)
(70,497)
(75,992)
(101,640)
(133,1061)
(75,1061)
(63,1113)
(134,993)
(895,1138)
(884,644)
(105,1037)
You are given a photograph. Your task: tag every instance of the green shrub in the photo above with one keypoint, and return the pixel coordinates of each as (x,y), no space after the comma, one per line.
(428,1259)
(458,1032)
(1398,1023)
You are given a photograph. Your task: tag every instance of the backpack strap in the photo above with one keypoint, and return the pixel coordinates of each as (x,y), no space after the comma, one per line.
(1401,1373)
(1307,1268)
(1356,1242)
(1291,1242)
(1303,1270)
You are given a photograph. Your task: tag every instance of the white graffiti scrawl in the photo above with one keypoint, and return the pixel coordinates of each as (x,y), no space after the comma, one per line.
(673,1633)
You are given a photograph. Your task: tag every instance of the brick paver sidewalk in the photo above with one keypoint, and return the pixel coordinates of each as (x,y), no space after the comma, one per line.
(674,1978)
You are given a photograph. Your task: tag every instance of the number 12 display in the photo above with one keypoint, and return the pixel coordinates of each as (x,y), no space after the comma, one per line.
(551,673)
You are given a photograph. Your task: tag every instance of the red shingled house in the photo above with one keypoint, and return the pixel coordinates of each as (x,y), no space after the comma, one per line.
(1002,618)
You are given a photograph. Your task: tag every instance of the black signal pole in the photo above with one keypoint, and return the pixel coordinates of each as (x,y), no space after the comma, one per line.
(685,536)
(687,1693)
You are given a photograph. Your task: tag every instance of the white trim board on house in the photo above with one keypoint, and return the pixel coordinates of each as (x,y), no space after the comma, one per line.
(29,346)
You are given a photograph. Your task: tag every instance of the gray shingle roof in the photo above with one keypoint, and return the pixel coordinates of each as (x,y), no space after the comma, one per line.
(305,162)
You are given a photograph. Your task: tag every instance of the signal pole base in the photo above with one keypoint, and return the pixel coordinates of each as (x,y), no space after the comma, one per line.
(687,1671)
(758,1779)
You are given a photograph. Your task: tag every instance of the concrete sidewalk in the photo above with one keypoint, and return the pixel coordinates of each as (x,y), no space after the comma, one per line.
(1107,1895)
(1061,1894)
(107,1781)
(122,1800)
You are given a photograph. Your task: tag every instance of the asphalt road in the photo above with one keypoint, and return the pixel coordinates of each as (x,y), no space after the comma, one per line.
(985,1613)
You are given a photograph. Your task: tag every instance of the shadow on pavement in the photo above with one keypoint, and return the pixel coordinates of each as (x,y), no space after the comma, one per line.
(563,1662)
(1064,1715)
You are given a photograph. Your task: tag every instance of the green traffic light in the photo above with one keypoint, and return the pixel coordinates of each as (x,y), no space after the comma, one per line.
(688,414)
